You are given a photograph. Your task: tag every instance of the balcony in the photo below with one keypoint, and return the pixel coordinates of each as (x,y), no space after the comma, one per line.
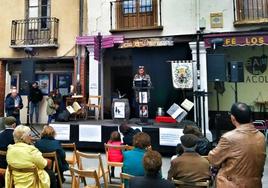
(135,15)
(250,12)
(34,32)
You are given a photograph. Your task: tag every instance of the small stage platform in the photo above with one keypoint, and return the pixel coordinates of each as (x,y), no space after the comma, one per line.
(93,134)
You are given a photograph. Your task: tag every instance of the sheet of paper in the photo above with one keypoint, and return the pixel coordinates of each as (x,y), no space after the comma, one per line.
(169,136)
(70,109)
(90,133)
(62,131)
(187,105)
(119,110)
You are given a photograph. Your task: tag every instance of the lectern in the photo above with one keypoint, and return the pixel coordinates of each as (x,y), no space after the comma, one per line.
(142,93)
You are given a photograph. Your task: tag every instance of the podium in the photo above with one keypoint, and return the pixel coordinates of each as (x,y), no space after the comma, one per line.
(142,93)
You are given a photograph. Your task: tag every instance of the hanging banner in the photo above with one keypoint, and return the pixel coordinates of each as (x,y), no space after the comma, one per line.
(182,74)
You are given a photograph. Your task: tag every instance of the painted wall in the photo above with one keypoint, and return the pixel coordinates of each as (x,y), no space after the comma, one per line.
(67,11)
(178,17)
(254,87)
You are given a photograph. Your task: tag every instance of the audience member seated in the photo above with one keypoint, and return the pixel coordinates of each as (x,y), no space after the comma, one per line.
(24,155)
(203,145)
(132,163)
(152,163)
(190,166)
(241,153)
(47,144)
(115,155)
(6,137)
(128,133)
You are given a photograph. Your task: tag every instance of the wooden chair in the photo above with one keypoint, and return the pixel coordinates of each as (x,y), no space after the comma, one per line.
(77,176)
(71,160)
(55,165)
(111,164)
(3,156)
(179,183)
(125,177)
(94,103)
(23,170)
(100,169)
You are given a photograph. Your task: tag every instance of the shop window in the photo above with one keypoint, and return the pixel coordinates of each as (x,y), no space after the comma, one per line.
(62,82)
(43,82)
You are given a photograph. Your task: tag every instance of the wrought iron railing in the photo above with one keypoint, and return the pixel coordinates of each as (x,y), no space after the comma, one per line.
(135,15)
(250,11)
(36,32)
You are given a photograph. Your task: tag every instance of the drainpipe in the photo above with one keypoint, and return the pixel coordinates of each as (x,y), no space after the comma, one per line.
(81,13)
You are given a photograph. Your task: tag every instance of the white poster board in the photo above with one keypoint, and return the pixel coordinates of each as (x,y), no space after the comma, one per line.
(62,131)
(119,110)
(169,136)
(90,133)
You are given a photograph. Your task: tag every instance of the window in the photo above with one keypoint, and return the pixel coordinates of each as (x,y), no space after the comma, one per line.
(146,6)
(129,6)
(248,10)
(39,9)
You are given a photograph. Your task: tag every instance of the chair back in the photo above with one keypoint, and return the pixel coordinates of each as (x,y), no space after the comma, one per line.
(71,160)
(33,170)
(100,169)
(78,175)
(55,165)
(125,178)
(94,103)
(178,183)
(3,157)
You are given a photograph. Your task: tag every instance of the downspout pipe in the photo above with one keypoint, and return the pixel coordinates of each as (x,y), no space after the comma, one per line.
(81,14)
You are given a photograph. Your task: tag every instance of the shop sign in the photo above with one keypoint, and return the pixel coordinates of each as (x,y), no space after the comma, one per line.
(256,66)
(249,40)
(147,42)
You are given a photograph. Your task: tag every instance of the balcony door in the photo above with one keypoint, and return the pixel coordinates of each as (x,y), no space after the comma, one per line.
(37,21)
(136,14)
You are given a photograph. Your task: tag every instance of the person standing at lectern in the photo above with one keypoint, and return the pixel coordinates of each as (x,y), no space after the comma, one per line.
(141,75)
(141,79)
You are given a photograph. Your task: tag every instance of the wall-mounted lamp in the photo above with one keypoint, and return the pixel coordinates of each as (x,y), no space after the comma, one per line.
(202,24)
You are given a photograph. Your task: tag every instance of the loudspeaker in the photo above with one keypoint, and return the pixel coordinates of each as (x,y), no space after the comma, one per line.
(27,75)
(216,67)
(236,71)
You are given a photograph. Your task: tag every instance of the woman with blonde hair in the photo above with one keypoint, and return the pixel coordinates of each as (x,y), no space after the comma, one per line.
(23,154)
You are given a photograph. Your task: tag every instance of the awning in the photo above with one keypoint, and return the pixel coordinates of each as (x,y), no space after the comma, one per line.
(238,39)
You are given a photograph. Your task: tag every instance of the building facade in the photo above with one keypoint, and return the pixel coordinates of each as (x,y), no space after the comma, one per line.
(43,32)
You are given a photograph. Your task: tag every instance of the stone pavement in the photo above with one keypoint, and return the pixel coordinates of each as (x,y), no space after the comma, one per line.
(165,167)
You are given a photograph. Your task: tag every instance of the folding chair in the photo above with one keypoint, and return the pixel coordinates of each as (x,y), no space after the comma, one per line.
(262,126)
(71,160)
(23,170)
(55,165)
(124,179)
(179,183)
(77,176)
(100,169)
(94,103)
(111,164)
(3,157)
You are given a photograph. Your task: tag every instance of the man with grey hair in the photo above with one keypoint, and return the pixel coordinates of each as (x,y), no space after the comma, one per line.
(23,154)
(190,166)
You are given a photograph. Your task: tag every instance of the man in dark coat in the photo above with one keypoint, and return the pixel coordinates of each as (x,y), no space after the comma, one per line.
(35,97)
(13,105)
(6,137)
(128,133)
